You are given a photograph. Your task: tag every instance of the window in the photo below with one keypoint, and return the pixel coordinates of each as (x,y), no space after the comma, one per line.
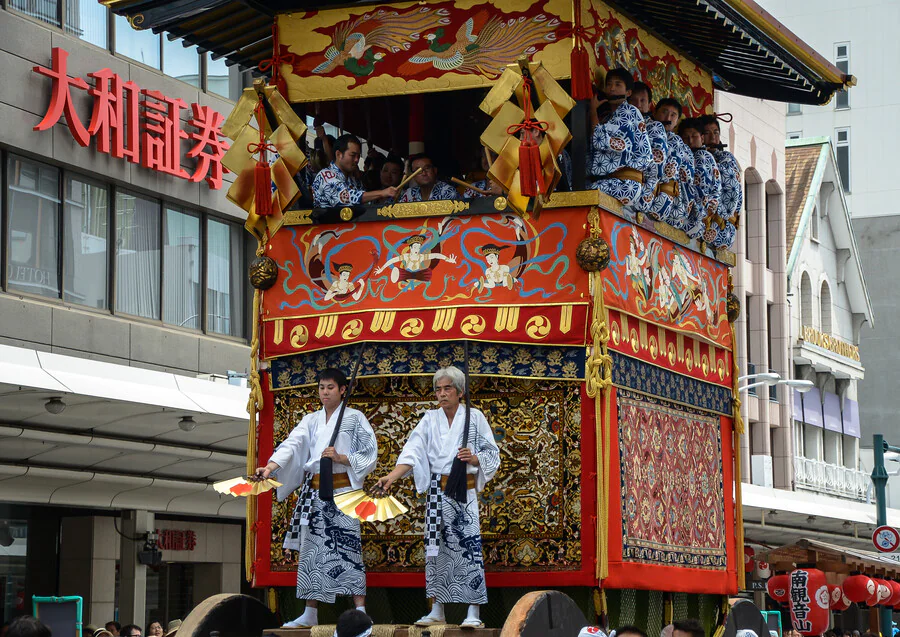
(32,262)
(842,61)
(842,154)
(825,302)
(85,240)
(137,255)
(181,270)
(87,21)
(798,438)
(217,76)
(224,291)
(806,302)
(814,224)
(794,109)
(795,134)
(746,312)
(43,10)
(180,62)
(140,45)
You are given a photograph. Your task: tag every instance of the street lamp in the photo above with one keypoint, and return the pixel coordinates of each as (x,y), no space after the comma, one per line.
(773,378)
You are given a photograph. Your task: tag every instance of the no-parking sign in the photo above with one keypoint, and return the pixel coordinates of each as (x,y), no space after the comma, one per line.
(886,539)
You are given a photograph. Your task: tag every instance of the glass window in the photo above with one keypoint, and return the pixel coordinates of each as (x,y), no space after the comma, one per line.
(33,228)
(13,570)
(85,237)
(842,152)
(795,135)
(142,45)
(44,10)
(88,21)
(180,62)
(217,76)
(842,61)
(794,109)
(224,286)
(137,255)
(181,270)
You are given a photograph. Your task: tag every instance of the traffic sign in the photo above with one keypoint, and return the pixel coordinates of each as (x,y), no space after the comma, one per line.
(886,539)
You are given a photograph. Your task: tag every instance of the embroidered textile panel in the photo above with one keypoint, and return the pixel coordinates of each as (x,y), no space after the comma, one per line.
(656,381)
(530,511)
(673,511)
(421,358)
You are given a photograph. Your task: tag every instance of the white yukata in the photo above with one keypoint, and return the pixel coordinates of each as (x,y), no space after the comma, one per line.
(329,542)
(454,566)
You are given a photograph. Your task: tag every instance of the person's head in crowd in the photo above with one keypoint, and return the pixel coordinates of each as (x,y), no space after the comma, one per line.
(155,629)
(27,626)
(668,111)
(711,132)
(391,172)
(114,628)
(88,630)
(102,632)
(690,131)
(688,628)
(320,155)
(631,631)
(429,171)
(172,627)
(353,623)
(347,151)
(131,630)
(641,97)
(618,85)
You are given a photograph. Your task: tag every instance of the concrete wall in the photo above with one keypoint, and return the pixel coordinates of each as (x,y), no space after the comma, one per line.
(55,326)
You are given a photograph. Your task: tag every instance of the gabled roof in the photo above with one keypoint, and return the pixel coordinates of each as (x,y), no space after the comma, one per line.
(808,163)
(746,50)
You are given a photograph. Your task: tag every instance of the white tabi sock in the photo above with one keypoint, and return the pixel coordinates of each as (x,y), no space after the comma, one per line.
(437,610)
(361,609)
(310,616)
(474,612)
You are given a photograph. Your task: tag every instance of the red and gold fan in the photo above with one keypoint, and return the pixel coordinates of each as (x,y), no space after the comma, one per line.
(237,487)
(369,508)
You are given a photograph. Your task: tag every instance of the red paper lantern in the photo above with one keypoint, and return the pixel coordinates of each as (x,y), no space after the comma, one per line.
(883,592)
(749,554)
(777,588)
(839,601)
(895,593)
(859,588)
(810,601)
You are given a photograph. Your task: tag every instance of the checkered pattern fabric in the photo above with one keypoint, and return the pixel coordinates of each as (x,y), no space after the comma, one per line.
(301,515)
(433,514)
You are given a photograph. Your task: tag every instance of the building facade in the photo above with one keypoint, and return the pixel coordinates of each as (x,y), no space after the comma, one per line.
(123,298)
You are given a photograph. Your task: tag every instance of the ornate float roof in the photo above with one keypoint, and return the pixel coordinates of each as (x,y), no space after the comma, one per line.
(747,50)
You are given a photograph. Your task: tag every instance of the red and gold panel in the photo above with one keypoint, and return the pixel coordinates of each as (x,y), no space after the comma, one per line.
(658,281)
(674,351)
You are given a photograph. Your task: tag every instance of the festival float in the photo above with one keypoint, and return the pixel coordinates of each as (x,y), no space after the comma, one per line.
(600,342)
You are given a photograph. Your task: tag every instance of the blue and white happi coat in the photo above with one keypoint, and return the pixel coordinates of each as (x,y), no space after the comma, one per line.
(483,184)
(454,564)
(732,197)
(332,187)
(330,562)
(441,190)
(687,191)
(656,204)
(708,191)
(619,142)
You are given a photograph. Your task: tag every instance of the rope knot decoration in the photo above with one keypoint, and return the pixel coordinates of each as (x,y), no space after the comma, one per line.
(274,63)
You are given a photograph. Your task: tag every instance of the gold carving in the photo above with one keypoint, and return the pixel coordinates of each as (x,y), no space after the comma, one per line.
(538,327)
(472,325)
(346,214)
(352,329)
(299,336)
(297,217)
(412,327)
(423,209)
(501,204)
(828,342)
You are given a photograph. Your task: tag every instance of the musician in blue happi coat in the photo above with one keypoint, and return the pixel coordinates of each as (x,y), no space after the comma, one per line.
(426,186)
(339,184)
(678,184)
(654,202)
(732,186)
(619,145)
(703,223)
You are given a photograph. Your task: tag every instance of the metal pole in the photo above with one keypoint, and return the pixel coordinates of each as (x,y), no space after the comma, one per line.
(879,479)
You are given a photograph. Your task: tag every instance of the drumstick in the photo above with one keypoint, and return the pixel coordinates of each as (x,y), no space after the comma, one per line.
(470,186)
(406,181)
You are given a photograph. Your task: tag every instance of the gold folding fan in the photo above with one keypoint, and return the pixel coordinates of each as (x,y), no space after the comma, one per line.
(367,508)
(237,487)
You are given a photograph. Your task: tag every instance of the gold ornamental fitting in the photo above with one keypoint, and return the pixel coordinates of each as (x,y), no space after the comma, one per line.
(346,214)
(500,203)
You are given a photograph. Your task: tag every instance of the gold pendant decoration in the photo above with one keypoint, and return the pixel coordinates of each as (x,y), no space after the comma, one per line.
(505,104)
(282,129)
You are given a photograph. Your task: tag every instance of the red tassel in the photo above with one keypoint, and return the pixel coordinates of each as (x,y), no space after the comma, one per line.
(581,73)
(531,176)
(263,186)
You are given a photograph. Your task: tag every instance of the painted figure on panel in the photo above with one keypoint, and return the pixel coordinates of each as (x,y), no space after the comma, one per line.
(412,264)
(495,273)
(342,287)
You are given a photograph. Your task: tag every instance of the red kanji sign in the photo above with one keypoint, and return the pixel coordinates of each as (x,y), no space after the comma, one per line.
(146,130)
(177,540)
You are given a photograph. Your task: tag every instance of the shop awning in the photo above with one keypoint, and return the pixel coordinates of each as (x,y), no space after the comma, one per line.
(830,558)
(746,50)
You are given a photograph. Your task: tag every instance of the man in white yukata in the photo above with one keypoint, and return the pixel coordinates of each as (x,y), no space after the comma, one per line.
(329,542)
(454,566)
(426,186)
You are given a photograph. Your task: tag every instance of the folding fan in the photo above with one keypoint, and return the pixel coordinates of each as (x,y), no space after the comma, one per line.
(243,487)
(367,508)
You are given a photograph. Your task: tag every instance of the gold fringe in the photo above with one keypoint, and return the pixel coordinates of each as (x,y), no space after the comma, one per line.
(735,373)
(738,431)
(254,405)
(598,373)
(436,631)
(378,630)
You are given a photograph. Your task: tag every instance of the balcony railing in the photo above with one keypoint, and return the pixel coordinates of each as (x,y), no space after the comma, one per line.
(831,479)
